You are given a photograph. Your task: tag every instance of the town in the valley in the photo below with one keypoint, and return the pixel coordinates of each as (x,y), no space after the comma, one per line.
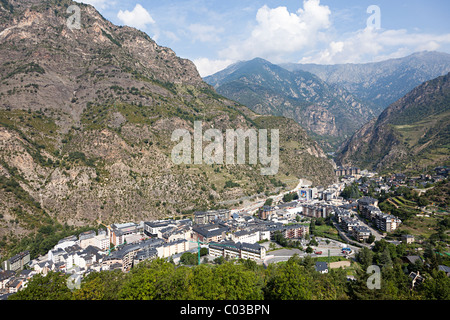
(316,222)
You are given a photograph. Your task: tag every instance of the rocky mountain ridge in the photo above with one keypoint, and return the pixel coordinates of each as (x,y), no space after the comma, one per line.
(328,112)
(86,118)
(381,83)
(412,133)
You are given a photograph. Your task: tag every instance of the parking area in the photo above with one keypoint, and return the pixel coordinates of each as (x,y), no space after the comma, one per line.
(283,254)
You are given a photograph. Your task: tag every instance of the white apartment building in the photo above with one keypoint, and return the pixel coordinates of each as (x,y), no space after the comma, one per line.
(234,250)
(100,241)
(153,228)
(387,222)
(171,248)
(245,236)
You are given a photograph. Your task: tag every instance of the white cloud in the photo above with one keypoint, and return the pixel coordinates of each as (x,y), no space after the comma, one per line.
(170,35)
(375,45)
(208,67)
(205,33)
(429,46)
(278,32)
(138,18)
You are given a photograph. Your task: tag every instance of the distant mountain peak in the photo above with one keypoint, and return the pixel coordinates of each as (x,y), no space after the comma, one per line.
(381,83)
(267,88)
(259,60)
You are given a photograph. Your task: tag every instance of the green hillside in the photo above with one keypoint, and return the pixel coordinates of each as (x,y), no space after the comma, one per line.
(86,120)
(412,133)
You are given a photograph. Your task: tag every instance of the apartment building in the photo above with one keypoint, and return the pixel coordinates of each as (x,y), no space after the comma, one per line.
(126,255)
(153,228)
(317,210)
(361,233)
(348,224)
(307,194)
(265,211)
(245,236)
(5,276)
(209,233)
(371,212)
(17,262)
(347,171)
(170,248)
(145,254)
(170,234)
(44,267)
(365,202)
(90,238)
(341,213)
(119,232)
(295,231)
(14,285)
(237,250)
(387,222)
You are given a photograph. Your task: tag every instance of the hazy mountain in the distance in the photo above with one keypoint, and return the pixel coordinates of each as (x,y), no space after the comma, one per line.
(381,83)
(330,101)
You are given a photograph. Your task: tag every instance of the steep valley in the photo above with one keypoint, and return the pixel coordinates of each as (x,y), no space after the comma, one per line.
(86,118)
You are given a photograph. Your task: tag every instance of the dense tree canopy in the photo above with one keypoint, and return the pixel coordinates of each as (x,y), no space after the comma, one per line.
(241,279)
(51,287)
(351,192)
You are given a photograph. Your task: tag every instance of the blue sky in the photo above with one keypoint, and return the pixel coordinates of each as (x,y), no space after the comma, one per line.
(216,33)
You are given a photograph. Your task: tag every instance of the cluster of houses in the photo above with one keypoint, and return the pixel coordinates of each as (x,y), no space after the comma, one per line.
(13,276)
(288,212)
(11,281)
(122,246)
(390,183)
(352,225)
(312,202)
(224,232)
(440,173)
(347,171)
(367,206)
(239,236)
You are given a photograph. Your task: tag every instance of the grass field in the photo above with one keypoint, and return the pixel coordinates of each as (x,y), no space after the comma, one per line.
(416,226)
(327,232)
(332,258)
(405,202)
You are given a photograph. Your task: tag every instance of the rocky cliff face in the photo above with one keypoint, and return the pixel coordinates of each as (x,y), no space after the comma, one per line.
(86,118)
(410,134)
(68,67)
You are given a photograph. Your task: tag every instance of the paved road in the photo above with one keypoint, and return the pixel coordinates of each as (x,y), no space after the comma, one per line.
(260,203)
(378,235)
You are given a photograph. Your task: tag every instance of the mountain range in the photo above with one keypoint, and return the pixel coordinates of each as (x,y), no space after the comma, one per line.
(87,115)
(409,135)
(381,83)
(330,101)
(86,118)
(328,112)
